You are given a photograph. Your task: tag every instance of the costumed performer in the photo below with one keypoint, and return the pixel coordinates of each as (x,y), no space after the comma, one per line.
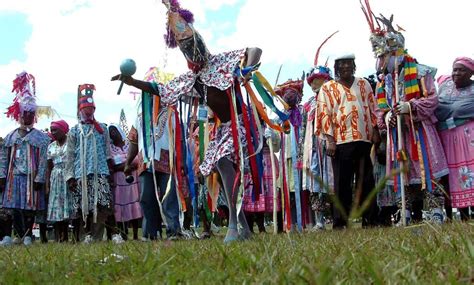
(87,168)
(213,78)
(317,166)
(406,90)
(23,161)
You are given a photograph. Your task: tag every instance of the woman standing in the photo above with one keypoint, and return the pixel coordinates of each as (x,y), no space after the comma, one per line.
(59,205)
(456,116)
(126,196)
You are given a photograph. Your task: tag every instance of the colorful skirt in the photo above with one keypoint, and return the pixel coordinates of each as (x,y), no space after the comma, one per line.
(104,195)
(459,148)
(127,199)
(60,198)
(437,165)
(16,196)
(265,201)
(222,145)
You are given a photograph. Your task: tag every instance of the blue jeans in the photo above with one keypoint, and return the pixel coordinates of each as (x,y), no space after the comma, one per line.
(152,219)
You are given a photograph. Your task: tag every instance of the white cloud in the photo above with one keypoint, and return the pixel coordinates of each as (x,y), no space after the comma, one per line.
(289,32)
(217,4)
(84,41)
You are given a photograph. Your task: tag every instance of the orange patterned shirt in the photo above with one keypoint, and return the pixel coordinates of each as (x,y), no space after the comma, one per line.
(347,114)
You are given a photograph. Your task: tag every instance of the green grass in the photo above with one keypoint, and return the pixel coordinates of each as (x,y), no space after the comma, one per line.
(423,254)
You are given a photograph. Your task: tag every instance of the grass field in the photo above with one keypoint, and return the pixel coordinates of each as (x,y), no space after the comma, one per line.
(423,254)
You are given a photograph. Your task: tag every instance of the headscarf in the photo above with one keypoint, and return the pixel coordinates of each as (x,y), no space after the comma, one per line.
(465,61)
(119,129)
(62,125)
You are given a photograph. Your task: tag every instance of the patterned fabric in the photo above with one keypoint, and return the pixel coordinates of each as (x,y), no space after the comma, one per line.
(60,198)
(321,168)
(386,196)
(126,196)
(161,165)
(317,166)
(459,147)
(347,114)
(265,201)
(455,103)
(319,201)
(222,145)
(38,141)
(19,196)
(104,197)
(32,149)
(430,200)
(218,72)
(203,197)
(89,133)
(424,120)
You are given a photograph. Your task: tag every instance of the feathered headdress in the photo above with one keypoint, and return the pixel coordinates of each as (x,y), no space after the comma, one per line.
(174,6)
(319,71)
(292,93)
(25,96)
(385,39)
(290,85)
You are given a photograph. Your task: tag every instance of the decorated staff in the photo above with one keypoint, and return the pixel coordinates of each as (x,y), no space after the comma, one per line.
(23,161)
(406,98)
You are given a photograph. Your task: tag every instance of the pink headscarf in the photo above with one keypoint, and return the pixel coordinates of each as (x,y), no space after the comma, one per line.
(62,125)
(466,61)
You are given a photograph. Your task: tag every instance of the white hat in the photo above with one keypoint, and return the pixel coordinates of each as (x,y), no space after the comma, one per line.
(345,56)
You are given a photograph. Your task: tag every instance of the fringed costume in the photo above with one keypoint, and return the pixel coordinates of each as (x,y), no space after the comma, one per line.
(88,154)
(23,160)
(317,167)
(416,95)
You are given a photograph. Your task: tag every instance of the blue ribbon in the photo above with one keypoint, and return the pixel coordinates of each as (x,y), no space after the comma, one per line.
(426,161)
(296,177)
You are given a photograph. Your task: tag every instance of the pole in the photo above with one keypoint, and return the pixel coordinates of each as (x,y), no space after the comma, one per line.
(400,147)
(274,186)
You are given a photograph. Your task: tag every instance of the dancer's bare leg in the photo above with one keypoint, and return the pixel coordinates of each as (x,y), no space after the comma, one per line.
(228,174)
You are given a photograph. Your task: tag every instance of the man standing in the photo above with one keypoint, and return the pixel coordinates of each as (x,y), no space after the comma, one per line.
(87,170)
(154,167)
(23,161)
(346,119)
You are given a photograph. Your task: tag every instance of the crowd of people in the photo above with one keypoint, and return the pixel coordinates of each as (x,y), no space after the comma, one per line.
(392,148)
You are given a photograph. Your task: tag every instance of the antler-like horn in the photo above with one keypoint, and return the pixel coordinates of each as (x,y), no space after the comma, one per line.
(320,46)
(368,14)
(388,23)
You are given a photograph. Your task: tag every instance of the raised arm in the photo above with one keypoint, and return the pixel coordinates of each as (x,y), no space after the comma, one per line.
(142,85)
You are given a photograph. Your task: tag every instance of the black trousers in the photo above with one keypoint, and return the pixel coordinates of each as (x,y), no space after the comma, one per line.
(351,163)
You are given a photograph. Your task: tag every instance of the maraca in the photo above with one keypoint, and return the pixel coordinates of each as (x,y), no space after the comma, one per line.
(129,179)
(127,68)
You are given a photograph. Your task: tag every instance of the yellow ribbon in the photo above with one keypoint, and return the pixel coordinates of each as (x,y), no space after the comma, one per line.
(269,88)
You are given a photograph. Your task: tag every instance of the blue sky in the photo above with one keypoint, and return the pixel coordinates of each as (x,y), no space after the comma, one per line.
(14,27)
(69,42)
